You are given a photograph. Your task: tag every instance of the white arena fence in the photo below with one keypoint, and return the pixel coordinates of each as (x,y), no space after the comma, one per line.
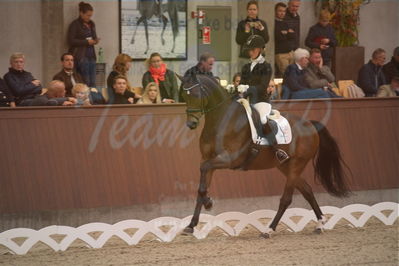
(176,225)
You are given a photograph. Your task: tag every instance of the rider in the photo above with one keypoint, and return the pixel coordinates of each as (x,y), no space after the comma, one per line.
(257,75)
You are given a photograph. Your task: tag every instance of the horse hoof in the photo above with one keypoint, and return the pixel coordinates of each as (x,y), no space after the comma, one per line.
(208,204)
(188,231)
(132,41)
(266,235)
(318,231)
(163,42)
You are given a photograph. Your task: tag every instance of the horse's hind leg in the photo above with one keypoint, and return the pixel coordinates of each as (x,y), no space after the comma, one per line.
(285,201)
(292,170)
(307,193)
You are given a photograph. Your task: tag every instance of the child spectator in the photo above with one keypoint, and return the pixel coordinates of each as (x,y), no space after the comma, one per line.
(151,94)
(322,36)
(82,94)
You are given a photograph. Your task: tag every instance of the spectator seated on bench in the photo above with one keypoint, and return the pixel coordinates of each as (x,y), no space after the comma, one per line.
(21,83)
(295,85)
(389,90)
(54,95)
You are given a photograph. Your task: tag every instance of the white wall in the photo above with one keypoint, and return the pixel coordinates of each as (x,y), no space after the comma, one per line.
(106,17)
(379,27)
(20,31)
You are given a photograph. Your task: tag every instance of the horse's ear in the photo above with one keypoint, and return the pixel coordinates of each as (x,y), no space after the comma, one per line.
(179,77)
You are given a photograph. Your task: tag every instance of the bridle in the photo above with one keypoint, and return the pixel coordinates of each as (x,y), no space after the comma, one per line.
(202,109)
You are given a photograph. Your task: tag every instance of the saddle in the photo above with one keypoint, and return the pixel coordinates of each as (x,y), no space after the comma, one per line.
(268,128)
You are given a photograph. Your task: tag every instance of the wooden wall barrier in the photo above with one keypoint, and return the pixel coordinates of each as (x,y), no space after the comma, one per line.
(71,158)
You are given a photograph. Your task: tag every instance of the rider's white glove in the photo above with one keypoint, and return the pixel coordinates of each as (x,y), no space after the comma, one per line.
(242,88)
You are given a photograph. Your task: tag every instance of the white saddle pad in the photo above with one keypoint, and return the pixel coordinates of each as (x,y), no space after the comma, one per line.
(284,134)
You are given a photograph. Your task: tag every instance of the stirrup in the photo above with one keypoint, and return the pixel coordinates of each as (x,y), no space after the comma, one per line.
(281,156)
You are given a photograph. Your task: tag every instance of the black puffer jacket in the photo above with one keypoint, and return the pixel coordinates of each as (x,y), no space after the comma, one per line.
(20,84)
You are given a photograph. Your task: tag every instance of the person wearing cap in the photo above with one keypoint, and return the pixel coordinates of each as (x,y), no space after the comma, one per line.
(389,90)
(391,69)
(257,73)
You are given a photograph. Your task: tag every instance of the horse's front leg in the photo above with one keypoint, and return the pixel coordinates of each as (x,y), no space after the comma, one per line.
(202,197)
(141,19)
(146,35)
(165,23)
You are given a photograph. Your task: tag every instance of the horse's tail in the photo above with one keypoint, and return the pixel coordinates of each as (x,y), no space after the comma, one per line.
(329,164)
(174,16)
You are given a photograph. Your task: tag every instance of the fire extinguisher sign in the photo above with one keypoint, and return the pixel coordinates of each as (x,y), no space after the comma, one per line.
(206,35)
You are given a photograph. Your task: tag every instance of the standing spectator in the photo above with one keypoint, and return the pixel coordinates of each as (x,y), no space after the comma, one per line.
(67,74)
(371,76)
(322,36)
(318,75)
(151,94)
(6,98)
(389,90)
(122,65)
(252,25)
(122,94)
(293,20)
(284,55)
(257,73)
(163,77)
(82,37)
(25,88)
(391,69)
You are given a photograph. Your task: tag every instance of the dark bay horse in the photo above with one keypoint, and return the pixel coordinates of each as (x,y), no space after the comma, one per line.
(225,143)
(150,8)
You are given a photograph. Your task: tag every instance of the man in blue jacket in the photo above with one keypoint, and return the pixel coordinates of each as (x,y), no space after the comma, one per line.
(371,76)
(22,84)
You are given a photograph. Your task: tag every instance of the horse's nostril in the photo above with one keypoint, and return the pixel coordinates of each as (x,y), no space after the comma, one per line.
(191,124)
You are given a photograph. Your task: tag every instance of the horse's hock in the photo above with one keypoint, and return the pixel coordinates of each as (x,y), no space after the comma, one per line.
(141,162)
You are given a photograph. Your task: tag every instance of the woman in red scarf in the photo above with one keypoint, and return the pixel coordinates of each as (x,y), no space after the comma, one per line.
(165,78)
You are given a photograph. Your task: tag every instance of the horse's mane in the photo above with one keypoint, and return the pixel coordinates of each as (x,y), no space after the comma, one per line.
(210,82)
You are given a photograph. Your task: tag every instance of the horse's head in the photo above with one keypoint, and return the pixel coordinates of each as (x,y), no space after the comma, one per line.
(200,94)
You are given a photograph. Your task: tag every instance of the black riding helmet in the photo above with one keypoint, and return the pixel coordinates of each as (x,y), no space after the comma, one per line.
(254,41)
